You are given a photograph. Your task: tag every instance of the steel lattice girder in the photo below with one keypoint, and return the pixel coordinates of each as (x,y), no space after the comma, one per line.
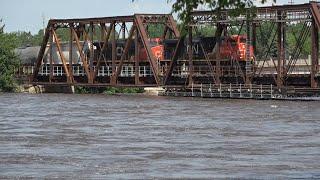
(299,12)
(280,15)
(138,23)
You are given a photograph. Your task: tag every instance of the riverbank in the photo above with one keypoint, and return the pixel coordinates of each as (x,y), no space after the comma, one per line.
(27,88)
(222,92)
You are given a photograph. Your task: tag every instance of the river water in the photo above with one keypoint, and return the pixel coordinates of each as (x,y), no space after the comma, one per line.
(135,136)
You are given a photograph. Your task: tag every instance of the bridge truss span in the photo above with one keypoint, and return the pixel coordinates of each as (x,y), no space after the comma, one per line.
(98,49)
(268,31)
(276,45)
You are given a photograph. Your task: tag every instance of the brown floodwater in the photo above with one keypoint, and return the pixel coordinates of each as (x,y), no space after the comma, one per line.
(135,136)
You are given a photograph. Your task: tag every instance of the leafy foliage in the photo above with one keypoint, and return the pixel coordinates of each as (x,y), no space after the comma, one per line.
(129,90)
(27,39)
(107,90)
(8,61)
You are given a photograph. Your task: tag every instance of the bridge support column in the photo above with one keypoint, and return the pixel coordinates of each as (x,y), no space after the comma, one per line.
(314,53)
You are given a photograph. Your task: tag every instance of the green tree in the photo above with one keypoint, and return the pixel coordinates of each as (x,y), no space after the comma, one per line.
(27,39)
(185,7)
(8,61)
(37,38)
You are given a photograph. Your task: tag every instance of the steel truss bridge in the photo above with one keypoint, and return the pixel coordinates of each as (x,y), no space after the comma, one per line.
(92,57)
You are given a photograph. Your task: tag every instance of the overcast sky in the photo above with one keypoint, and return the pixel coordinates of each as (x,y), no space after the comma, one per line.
(26,15)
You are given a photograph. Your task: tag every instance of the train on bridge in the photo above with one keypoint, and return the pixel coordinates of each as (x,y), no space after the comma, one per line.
(149,50)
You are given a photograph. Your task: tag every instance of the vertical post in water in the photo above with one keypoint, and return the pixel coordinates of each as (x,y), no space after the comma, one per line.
(251,91)
(240,92)
(210,90)
(220,90)
(230,91)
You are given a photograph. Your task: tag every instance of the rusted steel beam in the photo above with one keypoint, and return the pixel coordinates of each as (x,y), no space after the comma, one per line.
(91,52)
(41,51)
(125,52)
(291,7)
(51,57)
(174,60)
(147,46)
(136,58)
(165,32)
(82,56)
(86,37)
(299,12)
(94,20)
(314,53)
(315,13)
(89,40)
(174,26)
(269,46)
(70,52)
(113,54)
(104,47)
(69,77)
(300,41)
(214,77)
(218,33)
(123,27)
(154,18)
